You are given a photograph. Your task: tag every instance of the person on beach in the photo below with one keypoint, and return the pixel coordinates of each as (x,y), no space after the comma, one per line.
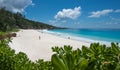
(68,37)
(39,37)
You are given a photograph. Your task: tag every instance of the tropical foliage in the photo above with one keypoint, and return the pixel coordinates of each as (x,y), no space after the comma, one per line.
(9,60)
(96,57)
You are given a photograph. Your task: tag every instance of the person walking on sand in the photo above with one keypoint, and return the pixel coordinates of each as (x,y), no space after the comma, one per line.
(68,37)
(39,37)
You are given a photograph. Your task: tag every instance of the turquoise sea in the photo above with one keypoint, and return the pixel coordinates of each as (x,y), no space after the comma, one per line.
(109,35)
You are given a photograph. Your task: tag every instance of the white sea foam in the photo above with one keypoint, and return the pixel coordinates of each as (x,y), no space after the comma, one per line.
(77,38)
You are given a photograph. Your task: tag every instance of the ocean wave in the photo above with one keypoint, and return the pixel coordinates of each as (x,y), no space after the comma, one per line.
(75,37)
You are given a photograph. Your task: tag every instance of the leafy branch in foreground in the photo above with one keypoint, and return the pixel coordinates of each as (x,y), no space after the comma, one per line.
(9,60)
(96,57)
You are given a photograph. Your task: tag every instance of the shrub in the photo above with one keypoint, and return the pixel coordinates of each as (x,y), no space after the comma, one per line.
(96,57)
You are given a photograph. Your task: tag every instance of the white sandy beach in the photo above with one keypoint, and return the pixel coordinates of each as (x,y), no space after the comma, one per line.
(28,41)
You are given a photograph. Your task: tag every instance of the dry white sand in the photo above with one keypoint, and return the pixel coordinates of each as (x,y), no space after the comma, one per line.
(28,41)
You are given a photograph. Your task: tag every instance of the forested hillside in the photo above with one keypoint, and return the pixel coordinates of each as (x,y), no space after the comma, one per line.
(9,21)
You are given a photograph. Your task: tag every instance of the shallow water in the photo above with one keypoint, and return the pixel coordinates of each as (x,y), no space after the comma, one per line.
(109,35)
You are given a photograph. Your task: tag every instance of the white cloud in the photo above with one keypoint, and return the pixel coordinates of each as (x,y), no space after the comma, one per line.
(15,5)
(77,23)
(100,13)
(52,21)
(56,21)
(64,21)
(68,13)
(117,11)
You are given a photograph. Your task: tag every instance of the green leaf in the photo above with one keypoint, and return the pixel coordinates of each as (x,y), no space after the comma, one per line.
(115,48)
(82,64)
(58,63)
(117,67)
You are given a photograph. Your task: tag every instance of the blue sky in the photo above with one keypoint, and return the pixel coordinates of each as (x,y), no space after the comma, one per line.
(92,13)
(69,13)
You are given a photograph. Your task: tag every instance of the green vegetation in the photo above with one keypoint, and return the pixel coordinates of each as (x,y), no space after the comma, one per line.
(96,57)
(9,60)
(10,21)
